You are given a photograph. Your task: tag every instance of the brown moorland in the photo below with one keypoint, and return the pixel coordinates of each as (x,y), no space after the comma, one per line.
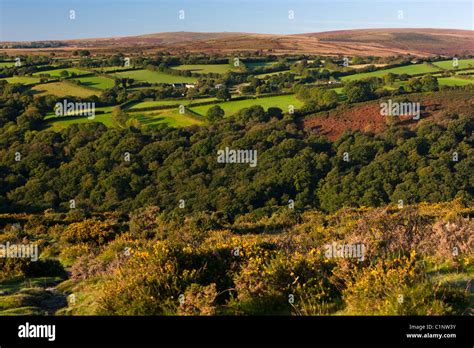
(362,42)
(366,117)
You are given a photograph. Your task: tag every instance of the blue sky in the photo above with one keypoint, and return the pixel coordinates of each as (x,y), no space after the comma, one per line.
(24,20)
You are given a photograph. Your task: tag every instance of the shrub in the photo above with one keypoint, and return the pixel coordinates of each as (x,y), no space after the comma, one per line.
(22,267)
(266,288)
(70,254)
(92,232)
(144,222)
(148,284)
(198,300)
(394,287)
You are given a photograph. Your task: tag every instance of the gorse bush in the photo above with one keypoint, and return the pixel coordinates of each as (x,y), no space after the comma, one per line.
(148,284)
(279,284)
(92,232)
(397,286)
(409,266)
(70,254)
(26,268)
(198,300)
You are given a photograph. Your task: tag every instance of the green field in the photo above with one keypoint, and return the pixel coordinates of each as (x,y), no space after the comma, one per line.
(205,68)
(153,76)
(462,64)
(171,117)
(96,82)
(52,116)
(454,81)
(149,118)
(231,107)
(465,71)
(407,69)
(6,64)
(111,68)
(252,65)
(63,89)
(25,80)
(57,72)
(156,103)
(65,121)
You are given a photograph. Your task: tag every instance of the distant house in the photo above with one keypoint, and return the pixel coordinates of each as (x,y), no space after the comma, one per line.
(220,85)
(190,85)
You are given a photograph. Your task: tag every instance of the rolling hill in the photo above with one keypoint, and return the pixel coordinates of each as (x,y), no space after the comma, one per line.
(362,42)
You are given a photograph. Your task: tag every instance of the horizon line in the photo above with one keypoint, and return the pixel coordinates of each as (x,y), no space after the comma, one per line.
(232,32)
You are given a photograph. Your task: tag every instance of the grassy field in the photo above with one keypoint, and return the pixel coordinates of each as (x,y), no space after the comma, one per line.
(19,296)
(25,80)
(155,103)
(63,89)
(6,64)
(111,68)
(57,72)
(62,122)
(205,68)
(408,69)
(231,107)
(149,118)
(260,64)
(52,115)
(465,71)
(454,81)
(462,64)
(171,117)
(98,82)
(153,76)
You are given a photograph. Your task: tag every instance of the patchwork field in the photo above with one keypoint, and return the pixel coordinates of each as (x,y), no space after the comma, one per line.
(205,68)
(57,72)
(471,71)
(111,68)
(63,89)
(153,76)
(26,80)
(156,103)
(65,121)
(6,64)
(98,82)
(170,117)
(231,107)
(408,69)
(260,64)
(454,81)
(462,64)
